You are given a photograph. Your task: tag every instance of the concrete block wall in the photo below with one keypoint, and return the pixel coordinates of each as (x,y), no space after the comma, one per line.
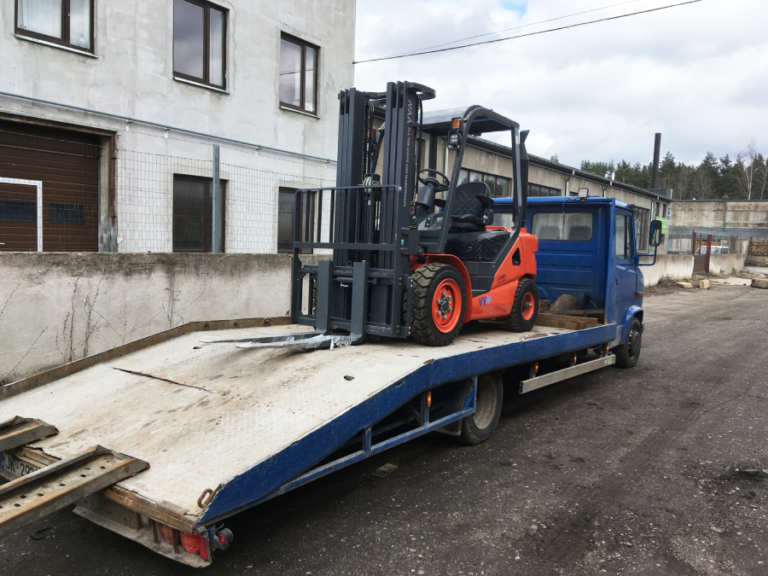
(56,308)
(674,266)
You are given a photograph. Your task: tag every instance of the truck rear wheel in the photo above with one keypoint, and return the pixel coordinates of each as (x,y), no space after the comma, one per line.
(628,353)
(439,301)
(525,308)
(478,427)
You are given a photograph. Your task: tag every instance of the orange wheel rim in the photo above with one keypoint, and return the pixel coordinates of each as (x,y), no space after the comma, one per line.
(446,305)
(529,306)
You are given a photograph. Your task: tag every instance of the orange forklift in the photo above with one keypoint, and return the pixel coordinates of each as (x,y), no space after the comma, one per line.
(412,252)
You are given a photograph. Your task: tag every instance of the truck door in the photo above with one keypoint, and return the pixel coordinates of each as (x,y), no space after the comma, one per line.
(625,289)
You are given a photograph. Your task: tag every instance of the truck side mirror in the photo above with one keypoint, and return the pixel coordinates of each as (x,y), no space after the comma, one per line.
(655,238)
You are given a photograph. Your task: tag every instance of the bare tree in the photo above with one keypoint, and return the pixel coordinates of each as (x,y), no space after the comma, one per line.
(746,165)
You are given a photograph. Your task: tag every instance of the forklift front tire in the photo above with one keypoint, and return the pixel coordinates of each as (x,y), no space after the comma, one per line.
(525,308)
(439,302)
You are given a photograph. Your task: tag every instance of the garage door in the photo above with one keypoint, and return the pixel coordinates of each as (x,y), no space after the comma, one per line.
(49,189)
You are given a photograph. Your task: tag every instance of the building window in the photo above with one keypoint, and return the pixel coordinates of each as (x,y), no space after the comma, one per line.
(536,190)
(499,186)
(193,214)
(624,248)
(200,42)
(642,230)
(298,74)
(65,22)
(286,213)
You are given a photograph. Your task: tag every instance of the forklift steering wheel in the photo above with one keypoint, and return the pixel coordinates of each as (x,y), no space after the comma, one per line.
(436,184)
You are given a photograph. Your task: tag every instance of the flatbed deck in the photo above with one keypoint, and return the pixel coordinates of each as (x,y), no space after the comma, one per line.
(243,423)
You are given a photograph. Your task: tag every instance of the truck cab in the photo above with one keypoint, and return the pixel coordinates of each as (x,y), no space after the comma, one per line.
(587,250)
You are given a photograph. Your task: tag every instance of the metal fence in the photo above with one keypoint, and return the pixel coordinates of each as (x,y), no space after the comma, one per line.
(161,198)
(692,242)
(67,191)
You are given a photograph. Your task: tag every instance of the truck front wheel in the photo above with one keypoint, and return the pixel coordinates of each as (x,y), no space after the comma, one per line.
(628,353)
(478,427)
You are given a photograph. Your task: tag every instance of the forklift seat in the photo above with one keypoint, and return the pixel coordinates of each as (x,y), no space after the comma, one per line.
(469,213)
(467,237)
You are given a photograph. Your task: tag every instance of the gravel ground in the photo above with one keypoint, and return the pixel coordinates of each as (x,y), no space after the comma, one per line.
(661,469)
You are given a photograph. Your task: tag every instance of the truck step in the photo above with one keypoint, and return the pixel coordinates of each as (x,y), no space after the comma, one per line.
(19,431)
(560,375)
(54,487)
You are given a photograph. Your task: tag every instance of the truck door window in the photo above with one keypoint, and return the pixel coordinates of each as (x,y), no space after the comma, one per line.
(624,248)
(570,226)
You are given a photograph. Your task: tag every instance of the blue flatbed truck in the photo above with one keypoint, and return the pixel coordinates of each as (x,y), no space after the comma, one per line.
(163,439)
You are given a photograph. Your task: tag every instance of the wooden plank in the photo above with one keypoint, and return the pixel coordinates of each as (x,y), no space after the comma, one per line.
(568,323)
(579,313)
(32,382)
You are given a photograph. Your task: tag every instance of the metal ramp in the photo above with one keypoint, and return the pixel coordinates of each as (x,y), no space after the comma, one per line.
(19,431)
(31,497)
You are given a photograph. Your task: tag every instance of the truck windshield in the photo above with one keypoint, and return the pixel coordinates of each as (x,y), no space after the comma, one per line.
(573,226)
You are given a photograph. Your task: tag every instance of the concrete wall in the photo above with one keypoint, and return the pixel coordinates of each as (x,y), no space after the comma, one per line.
(680,266)
(709,214)
(55,308)
(674,266)
(726,263)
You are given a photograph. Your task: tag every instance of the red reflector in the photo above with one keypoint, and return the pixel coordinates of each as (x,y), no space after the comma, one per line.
(167,533)
(203,547)
(223,539)
(191,542)
(639,293)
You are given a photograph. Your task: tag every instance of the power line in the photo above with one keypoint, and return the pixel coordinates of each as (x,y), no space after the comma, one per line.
(520,27)
(526,35)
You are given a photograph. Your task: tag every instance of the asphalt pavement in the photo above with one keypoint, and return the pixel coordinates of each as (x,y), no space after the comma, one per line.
(660,469)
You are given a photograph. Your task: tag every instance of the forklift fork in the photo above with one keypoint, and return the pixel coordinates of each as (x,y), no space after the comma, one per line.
(322,337)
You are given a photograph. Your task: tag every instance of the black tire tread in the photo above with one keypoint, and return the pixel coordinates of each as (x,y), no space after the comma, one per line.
(422,328)
(512,322)
(623,359)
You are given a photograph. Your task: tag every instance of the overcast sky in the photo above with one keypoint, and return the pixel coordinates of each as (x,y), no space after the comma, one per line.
(696,73)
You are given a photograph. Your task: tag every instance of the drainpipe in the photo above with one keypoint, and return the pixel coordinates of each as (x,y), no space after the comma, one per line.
(725,211)
(568,183)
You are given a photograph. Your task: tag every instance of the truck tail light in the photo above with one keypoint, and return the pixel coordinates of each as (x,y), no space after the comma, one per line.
(166,532)
(191,542)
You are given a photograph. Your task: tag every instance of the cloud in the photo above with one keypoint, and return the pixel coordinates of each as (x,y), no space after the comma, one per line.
(598,92)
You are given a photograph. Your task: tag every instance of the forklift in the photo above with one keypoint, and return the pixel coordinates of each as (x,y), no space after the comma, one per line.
(413,253)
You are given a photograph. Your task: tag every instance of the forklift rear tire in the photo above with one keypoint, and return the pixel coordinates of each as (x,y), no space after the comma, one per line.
(525,308)
(478,427)
(439,301)
(628,353)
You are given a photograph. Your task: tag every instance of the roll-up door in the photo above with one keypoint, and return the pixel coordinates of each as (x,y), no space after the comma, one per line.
(49,189)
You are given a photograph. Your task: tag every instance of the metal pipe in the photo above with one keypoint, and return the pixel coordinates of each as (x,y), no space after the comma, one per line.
(656,154)
(217,206)
(129,120)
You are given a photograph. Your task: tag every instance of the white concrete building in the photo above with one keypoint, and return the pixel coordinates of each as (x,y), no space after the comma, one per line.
(109,112)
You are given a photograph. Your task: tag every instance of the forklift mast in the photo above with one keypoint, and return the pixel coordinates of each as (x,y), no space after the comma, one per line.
(373,227)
